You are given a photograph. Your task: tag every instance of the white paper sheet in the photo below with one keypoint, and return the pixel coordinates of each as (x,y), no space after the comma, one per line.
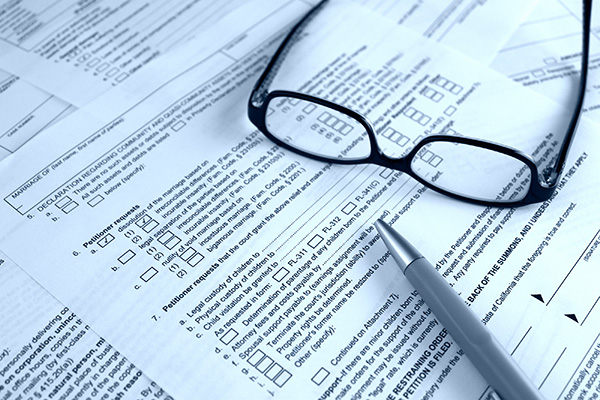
(182,244)
(26,111)
(30,109)
(46,351)
(65,46)
(29,26)
(477,28)
(78,50)
(544,54)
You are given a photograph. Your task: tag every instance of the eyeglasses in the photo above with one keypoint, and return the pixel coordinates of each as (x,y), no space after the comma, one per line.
(468,169)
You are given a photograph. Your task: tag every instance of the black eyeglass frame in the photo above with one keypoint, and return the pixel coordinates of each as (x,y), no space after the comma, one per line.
(541,187)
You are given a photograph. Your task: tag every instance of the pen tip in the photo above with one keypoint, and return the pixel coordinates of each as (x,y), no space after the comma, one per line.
(382,226)
(402,251)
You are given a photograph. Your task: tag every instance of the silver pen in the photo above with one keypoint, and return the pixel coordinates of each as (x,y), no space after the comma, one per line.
(486,354)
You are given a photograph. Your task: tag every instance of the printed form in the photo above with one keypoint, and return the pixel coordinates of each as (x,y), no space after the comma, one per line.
(29,110)
(206,254)
(98,44)
(545,54)
(65,46)
(45,344)
(458,23)
(37,37)
(26,111)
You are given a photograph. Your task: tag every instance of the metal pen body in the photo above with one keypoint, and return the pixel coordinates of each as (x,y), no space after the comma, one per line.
(485,352)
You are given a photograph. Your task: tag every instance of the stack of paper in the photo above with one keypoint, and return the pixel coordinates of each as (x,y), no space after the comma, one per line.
(155,244)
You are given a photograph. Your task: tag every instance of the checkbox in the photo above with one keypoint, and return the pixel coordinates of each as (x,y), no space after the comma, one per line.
(309,108)
(172,243)
(150,226)
(69,207)
(324,117)
(63,202)
(427,156)
(169,240)
(346,130)
(410,111)
(195,260)
(102,67)
(178,125)
(315,241)
(94,62)
(121,77)
(95,200)
(165,237)
(149,274)
(436,161)
(229,336)
(320,376)
(126,257)
(274,371)
(388,133)
(256,357)
(282,379)
(143,220)
(106,240)
(403,141)
(281,274)
(538,73)
(456,89)
(450,110)
(385,173)
(187,254)
(424,119)
(264,364)
(348,208)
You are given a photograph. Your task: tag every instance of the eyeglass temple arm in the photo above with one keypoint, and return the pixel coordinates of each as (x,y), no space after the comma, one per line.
(260,91)
(552,173)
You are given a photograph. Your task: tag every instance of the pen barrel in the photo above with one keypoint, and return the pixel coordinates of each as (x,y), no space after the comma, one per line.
(488,356)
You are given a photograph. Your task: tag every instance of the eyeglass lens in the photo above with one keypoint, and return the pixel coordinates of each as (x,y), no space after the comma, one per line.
(472,171)
(317,129)
(463,169)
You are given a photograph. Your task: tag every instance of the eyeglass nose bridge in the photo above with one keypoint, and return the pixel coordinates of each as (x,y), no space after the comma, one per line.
(401,164)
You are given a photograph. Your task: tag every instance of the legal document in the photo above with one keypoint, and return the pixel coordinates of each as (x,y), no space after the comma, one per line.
(78,50)
(64,46)
(26,111)
(48,352)
(97,45)
(224,266)
(62,36)
(545,54)
(459,24)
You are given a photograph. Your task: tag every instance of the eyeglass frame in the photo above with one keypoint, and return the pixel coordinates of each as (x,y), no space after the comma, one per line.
(538,190)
